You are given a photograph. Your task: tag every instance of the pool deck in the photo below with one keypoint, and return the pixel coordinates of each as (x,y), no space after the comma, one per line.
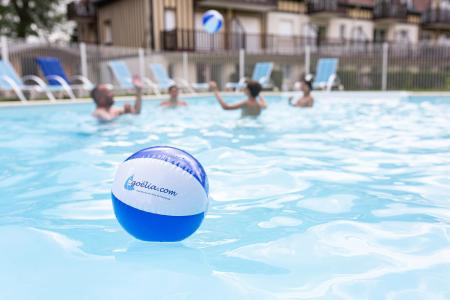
(366,95)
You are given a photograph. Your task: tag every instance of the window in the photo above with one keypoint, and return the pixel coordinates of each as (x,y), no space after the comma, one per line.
(379,35)
(237,38)
(321,34)
(409,4)
(402,36)
(444,5)
(309,30)
(425,35)
(286,27)
(170,21)
(236,26)
(443,40)
(359,34)
(250,25)
(107,30)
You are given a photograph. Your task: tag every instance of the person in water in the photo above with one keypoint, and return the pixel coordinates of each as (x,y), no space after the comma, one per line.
(252,106)
(173,98)
(306,100)
(104,102)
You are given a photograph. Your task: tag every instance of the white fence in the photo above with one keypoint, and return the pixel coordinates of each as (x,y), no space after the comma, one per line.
(361,66)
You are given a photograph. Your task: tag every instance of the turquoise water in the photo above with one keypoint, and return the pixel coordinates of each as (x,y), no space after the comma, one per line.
(348,200)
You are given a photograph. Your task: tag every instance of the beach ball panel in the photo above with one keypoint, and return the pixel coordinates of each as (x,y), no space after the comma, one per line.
(211,26)
(160,187)
(177,157)
(219,25)
(154,227)
(207,17)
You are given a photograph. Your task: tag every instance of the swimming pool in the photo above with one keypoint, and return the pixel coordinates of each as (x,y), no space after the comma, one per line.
(348,200)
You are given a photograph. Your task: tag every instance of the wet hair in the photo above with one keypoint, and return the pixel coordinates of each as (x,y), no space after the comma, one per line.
(308,84)
(172,87)
(308,79)
(95,94)
(254,87)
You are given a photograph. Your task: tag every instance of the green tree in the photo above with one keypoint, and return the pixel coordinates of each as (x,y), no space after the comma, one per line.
(22,18)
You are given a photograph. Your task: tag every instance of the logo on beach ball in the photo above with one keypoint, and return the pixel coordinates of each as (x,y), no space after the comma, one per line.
(160,194)
(212,21)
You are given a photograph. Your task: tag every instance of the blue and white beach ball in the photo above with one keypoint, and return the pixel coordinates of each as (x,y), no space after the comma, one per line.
(212,21)
(160,194)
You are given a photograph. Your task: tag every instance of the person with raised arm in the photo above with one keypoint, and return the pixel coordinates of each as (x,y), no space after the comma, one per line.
(104,102)
(252,106)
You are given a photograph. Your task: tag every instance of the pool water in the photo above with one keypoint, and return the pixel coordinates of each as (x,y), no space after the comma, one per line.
(348,200)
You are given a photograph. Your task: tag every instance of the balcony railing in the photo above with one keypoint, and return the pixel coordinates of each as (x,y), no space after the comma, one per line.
(76,10)
(320,6)
(272,3)
(200,41)
(385,10)
(436,16)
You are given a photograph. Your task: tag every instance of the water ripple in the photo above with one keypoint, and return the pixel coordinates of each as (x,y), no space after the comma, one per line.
(348,200)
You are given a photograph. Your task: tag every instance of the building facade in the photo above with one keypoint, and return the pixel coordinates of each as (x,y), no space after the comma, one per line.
(436,21)
(258,24)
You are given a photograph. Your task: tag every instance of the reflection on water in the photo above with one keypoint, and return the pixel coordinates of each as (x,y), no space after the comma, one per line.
(347,200)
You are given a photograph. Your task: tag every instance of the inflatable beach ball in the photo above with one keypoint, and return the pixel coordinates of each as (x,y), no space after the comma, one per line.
(160,194)
(212,21)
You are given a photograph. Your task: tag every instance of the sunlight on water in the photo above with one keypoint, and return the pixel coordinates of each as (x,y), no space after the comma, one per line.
(348,200)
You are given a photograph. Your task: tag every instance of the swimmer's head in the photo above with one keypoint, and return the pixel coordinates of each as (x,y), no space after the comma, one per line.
(173,92)
(253,88)
(102,96)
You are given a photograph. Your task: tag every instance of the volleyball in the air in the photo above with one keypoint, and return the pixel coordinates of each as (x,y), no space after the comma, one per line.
(212,21)
(160,194)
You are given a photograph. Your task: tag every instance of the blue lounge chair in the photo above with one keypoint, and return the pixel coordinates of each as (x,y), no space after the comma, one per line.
(164,81)
(57,79)
(326,76)
(10,81)
(161,77)
(261,73)
(121,74)
(124,78)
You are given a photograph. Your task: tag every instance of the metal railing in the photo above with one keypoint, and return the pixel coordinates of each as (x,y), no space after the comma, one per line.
(441,16)
(320,6)
(85,9)
(385,10)
(265,3)
(362,66)
(199,40)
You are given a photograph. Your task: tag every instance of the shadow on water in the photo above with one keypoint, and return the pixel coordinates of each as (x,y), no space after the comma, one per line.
(180,258)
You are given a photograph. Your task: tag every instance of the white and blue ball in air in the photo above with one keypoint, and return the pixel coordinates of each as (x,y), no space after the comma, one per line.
(160,194)
(212,21)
